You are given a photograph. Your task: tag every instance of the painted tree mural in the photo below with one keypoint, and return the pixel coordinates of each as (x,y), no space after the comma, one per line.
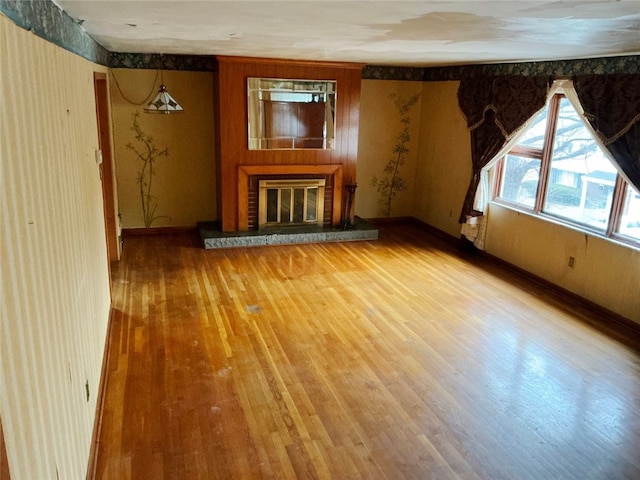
(147,153)
(391,182)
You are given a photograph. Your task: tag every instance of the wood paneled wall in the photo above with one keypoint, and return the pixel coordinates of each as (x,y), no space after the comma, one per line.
(232,126)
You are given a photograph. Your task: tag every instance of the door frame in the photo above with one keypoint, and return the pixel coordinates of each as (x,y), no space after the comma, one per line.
(106,167)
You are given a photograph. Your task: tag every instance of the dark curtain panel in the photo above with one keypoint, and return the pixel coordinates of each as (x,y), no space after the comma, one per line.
(611,105)
(495,107)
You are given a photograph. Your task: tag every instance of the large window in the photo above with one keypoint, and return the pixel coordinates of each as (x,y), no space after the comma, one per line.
(558,170)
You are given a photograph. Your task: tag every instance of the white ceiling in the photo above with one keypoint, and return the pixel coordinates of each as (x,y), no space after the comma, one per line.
(415,33)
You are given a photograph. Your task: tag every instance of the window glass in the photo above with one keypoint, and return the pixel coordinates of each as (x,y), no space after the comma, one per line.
(534,136)
(630,219)
(520,180)
(581,177)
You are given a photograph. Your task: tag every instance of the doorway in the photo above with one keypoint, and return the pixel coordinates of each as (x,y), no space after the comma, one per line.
(106,167)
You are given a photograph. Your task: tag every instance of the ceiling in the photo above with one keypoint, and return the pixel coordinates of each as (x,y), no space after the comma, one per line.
(415,33)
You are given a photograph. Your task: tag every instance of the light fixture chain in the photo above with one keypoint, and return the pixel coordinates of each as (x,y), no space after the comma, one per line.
(147,98)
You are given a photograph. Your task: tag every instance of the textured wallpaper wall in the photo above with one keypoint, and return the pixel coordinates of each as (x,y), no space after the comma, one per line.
(54,273)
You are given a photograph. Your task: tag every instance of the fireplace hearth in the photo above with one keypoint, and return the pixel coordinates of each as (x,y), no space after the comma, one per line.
(213,237)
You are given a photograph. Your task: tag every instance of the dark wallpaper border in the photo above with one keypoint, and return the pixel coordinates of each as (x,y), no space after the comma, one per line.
(47,21)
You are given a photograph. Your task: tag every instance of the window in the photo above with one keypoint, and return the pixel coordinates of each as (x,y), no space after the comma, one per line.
(629,218)
(557,170)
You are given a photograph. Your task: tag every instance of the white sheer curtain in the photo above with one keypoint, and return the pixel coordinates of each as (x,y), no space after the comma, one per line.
(475,228)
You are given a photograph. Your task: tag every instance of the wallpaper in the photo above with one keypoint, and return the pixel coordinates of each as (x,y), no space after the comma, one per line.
(194,63)
(55,293)
(593,66)
(379,72)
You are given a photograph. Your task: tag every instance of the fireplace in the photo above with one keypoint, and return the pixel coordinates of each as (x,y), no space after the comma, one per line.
(297,195)
(290,202)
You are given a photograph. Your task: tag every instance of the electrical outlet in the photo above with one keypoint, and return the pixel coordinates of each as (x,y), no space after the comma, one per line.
(572,261)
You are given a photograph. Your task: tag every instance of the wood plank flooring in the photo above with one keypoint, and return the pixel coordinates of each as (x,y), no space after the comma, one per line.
(393,359)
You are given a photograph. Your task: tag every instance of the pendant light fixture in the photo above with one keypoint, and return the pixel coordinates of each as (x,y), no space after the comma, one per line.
(163,101)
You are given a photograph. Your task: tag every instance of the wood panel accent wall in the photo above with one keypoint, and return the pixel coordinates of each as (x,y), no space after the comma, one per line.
(299,123)
(232,127)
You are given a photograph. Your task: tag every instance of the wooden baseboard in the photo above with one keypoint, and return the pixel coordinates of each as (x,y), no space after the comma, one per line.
(612,323)
(130,232)
(458,242)
(388,220)
(102,388)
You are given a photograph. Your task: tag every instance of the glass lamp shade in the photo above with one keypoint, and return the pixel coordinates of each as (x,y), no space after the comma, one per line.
(163,103)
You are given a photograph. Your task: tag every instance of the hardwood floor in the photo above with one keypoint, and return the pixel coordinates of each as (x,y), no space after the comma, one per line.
(368,360)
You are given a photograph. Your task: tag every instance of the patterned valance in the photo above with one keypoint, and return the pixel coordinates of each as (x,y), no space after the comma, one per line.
(495,109)
(611,105)
(510,98)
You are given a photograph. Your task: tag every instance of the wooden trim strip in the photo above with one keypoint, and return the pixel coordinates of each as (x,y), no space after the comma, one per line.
(130,232)
(390,220)
(621,328)
(102,389)
(617,326)
(288,62)
(547,152)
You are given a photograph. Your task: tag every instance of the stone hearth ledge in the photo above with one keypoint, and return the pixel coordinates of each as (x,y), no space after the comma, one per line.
(212,236)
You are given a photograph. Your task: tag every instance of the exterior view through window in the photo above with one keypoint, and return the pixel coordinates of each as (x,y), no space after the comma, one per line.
(558,170)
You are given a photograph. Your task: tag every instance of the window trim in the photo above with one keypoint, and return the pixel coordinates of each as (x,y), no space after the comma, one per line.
(547,151)
(545,154)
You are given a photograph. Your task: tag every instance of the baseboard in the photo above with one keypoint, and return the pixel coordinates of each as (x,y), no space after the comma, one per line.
(131,232)
(102,389)
(612,323)
(388,220)
(458,242)
(618,326)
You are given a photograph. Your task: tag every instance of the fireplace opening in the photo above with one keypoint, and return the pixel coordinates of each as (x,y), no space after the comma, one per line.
(290,202)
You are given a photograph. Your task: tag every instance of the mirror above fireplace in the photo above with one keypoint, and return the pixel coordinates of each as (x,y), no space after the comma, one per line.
(291,114)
